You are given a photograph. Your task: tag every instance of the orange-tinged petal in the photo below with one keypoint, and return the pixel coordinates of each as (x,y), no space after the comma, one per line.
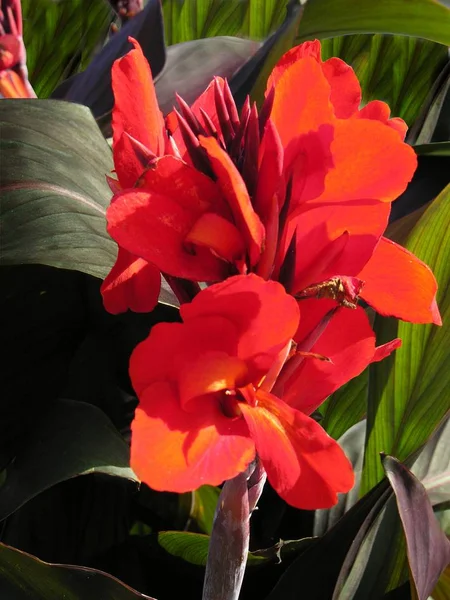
(380,111)
(302,100)
(236,194)
(345,88)
(317,229)
(265,317)
(171,346)
(310,49)
(154,227)
(132,284)
(218,234)
(208,373)
(305,466)
(369,162)
(136,109)
(178,451)
(192,189)
(348,341)
(13,86)
(398,284)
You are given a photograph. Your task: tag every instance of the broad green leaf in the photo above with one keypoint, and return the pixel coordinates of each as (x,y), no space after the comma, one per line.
(193,548)
(435,111)
(399,70)
(53,162)
(186,20)
(427,546)
(352,442)
(408,391)
(73,438)
(204,506)
(25,577)
(61,38)
(428,19)
(346,406)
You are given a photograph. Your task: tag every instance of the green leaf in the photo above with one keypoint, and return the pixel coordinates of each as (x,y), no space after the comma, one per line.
(352,442)
(346,406)
(190,19)
(204,506)
(421,18)
(61,38)
(399,70)
(435,149)
(193,548)
(73,438)
(427,546)
(53,162)
(25,577)
(433,113)
(408,390)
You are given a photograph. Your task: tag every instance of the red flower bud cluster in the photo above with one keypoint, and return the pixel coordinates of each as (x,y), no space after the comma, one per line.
(13,72)
(280,213)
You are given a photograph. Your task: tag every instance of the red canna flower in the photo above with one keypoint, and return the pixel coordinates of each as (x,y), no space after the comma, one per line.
(299,193)
(343,167)
(205,401)
(13,72)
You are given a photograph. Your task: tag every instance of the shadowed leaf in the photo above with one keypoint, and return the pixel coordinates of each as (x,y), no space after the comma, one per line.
(77,431)
(25,577)
(427,546)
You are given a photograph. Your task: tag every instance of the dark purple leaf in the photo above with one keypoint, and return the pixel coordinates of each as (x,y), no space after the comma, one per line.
(92,87)
(190,67)
(427,546)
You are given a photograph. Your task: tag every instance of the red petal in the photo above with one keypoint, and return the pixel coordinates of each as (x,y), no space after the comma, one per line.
(236,194)
(135,112)
(398,284)
(154,224)
(154,227)
(317,229)
(381,352)
(345,88)
(218,234)
(255,307)
(171,346)
(210,372)
(269,173)
(132,284)
(307,50)
(369,162)
(380,111)
(302,100)
(178,451)
(304,465)
(348,341)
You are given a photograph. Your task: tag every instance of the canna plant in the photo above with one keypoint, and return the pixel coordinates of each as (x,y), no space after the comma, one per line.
(252,250)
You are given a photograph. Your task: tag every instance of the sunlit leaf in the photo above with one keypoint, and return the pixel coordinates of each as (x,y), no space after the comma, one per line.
(408,390)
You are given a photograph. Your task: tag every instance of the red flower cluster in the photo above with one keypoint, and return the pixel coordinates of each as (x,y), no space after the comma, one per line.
(13,72)
(298,194)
